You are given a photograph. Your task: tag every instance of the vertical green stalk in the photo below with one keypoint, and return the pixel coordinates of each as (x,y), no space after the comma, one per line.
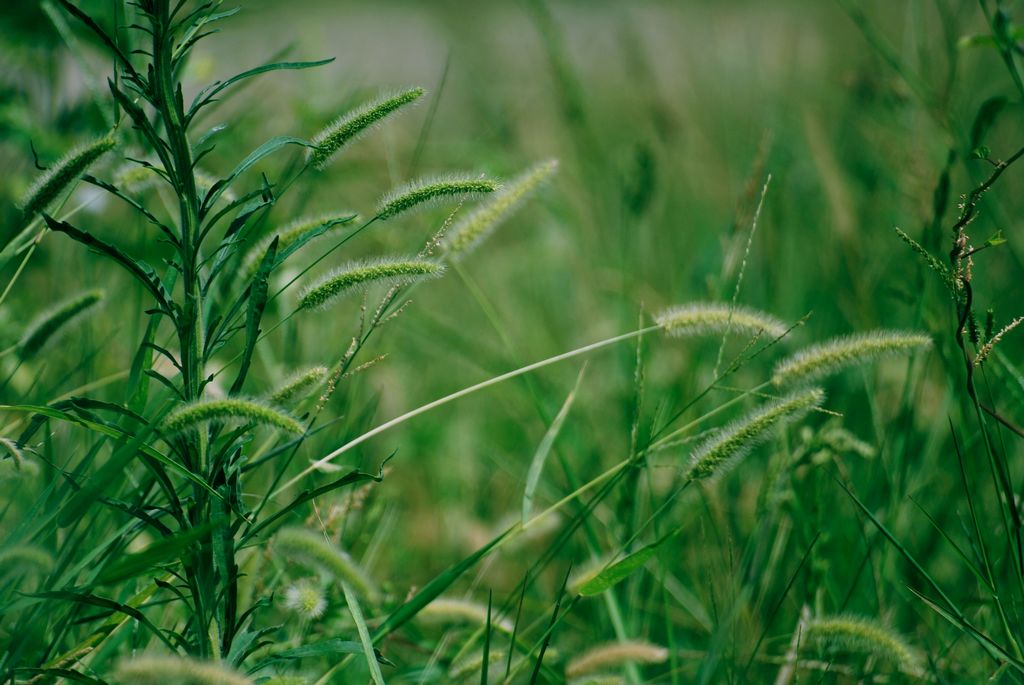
(200,570)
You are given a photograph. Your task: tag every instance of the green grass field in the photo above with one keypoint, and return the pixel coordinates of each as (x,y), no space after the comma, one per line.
(690,354)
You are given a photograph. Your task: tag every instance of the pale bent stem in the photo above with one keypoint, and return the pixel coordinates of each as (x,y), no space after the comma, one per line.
(456,395)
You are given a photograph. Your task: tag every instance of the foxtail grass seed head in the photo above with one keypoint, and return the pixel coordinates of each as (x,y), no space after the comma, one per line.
(829,357)
(428,192)
(135,178)
(312,549)
(615,654)
(22,558)
(713,318)
(865,636)
(447,610)
(350,125)
(231,409)
(13,452)
(49,186)
(463,668)
(597,679)
(46,327)
(478,224)
(716,455)
(306,600)
(299,385)
(175,670)
(355,276)
(287,236)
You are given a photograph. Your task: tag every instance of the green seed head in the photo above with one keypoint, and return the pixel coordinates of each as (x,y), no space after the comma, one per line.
(306,600)
(193,415)
(444,610)
(22,558)
(350,125)
(719,453)
(48,187)
(424,193)
(287,236)
(299,385)
(13,452)
(312,549)
(863,635)
(478,224)
(48,326)
(356,276)
(158,669)
(832,356)
(708,318)
(615,654)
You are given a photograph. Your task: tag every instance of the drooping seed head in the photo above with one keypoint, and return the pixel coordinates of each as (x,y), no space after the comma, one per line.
(713,318)
(49,186)
(22,558)
(449,610)
(233,409)
(312,549)
(288,235)
(49,325)
(133,177)
(350,125)
(428,192)
(158,669)
(305,599)
(13,451)
(832,356)
(615,654)
(478,223)
(463,668)
(717,454)
(299,385)
(597,679)
(865,636)
(355,276)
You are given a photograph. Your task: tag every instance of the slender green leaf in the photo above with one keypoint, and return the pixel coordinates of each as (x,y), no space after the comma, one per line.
(544,448)
(622,569)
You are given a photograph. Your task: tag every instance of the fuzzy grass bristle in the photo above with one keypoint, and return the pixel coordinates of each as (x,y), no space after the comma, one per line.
(427,192)
(306,600)
(193,415)
(19,558)
(46,327)
(49,186)
(714,318)
(355,276)
(829,357)
(478,224)
(311,548)
(298,385)
(863,635)
(716,455)
(13,450)
(354,123)
(175,670)
(613,654)
(289,234)
(450,610)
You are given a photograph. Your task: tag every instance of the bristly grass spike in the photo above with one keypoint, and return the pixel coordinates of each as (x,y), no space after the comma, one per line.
(356,276)
(49,186)
(354,123)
